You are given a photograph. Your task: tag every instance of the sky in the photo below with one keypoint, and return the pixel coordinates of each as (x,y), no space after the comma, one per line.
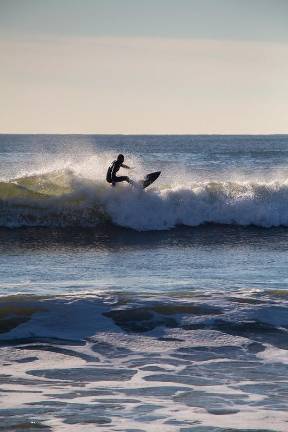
(144,67)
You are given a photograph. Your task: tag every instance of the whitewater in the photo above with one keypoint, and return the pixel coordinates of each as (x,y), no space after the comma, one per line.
(143,310)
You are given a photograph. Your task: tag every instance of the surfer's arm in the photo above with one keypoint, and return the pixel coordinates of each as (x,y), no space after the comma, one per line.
(125,166)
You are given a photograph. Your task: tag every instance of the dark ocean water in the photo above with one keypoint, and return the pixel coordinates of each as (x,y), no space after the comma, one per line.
(132,310)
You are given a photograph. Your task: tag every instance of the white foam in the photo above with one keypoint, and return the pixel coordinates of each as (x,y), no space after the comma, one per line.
(259,204)
(65,317)
(274,355)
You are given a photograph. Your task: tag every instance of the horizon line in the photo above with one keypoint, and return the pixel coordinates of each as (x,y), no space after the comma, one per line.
(147,134)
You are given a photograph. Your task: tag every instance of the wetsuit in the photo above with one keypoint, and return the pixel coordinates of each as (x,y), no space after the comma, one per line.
(112,170)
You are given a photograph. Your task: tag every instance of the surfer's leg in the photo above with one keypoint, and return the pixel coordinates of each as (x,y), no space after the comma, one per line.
(121,179)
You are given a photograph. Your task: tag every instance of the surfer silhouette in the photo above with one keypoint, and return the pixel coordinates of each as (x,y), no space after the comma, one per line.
(114,168)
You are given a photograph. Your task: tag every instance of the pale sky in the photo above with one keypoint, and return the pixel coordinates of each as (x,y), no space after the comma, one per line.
(144,67)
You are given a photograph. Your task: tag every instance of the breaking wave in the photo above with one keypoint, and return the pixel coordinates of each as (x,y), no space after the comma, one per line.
(65,198)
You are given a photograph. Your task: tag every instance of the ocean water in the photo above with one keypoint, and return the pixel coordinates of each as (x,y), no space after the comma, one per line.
(125,309)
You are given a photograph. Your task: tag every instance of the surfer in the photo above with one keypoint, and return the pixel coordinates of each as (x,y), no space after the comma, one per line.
(114,168)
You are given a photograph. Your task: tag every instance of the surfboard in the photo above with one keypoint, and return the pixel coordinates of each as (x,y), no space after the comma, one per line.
(149,179)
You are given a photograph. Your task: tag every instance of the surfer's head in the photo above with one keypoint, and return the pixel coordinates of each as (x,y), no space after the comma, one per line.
(120,158)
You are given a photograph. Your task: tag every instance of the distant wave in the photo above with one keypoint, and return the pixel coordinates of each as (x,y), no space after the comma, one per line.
(64,198)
